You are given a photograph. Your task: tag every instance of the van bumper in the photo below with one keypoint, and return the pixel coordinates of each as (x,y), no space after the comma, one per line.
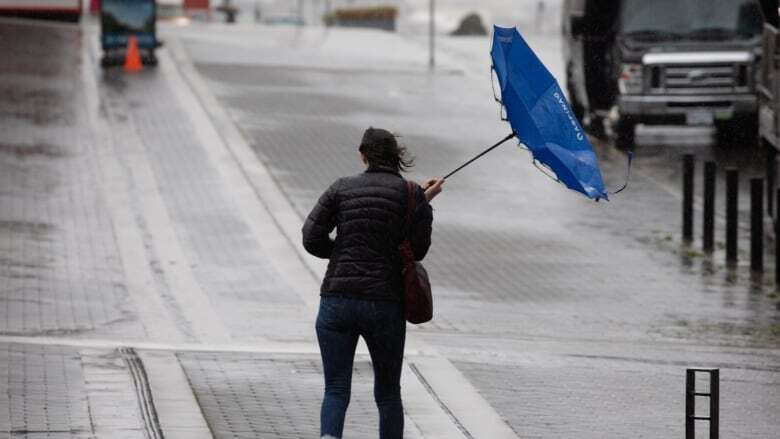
(723,107)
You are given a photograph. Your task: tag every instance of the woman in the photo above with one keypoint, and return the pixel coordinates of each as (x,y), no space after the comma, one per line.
(362,290)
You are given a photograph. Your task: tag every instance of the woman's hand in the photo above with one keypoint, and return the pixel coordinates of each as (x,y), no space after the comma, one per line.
(432,188)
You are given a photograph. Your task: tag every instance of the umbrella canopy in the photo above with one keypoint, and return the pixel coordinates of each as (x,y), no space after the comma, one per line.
(541,117)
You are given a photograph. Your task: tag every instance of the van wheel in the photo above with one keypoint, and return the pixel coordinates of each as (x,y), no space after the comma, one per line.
(624,133)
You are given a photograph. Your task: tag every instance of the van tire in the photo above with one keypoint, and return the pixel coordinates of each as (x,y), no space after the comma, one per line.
(740,132)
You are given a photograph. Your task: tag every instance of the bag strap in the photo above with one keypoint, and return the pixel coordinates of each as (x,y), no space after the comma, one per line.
(411,205)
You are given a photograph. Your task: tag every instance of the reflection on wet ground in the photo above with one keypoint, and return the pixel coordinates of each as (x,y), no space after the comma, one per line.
(660,165)
(59,273)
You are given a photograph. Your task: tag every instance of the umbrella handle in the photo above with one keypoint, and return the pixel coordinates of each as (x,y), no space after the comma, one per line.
(504,140)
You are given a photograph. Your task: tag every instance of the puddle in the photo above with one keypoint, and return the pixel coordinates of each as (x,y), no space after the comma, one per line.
(747,332)
(22,151)
(35,230)
(40,106)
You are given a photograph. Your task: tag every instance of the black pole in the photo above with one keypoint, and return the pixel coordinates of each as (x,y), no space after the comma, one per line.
(688,170)
(715,402)
(504,140)
(690,404)
(732,198)
(708,220)
(771,180)
(777,243)
(756,224)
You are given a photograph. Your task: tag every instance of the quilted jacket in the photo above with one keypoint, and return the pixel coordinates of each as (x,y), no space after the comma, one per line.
(368,212)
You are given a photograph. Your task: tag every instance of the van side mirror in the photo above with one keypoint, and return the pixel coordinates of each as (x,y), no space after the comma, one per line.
(577,25)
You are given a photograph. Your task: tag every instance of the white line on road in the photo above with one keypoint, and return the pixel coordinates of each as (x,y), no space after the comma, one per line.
(462,399)
(180,416)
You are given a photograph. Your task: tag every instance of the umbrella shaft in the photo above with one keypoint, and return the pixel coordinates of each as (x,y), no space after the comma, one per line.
(480,155)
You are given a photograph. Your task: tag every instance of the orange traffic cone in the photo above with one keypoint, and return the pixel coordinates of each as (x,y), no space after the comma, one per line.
(133,58)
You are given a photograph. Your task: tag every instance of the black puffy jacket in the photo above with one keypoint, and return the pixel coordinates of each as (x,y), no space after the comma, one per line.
(368,211)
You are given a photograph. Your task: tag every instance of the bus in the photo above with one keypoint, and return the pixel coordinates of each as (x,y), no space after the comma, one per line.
(62,10)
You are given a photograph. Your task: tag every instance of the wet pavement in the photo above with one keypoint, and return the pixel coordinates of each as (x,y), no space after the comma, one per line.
(273,397)
(515,256)
(162,210)
(608,254)
(61,272)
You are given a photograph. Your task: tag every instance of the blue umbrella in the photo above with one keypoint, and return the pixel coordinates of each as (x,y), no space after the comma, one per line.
(541,117)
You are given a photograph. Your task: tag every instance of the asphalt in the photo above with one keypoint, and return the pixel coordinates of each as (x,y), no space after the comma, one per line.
(161,211)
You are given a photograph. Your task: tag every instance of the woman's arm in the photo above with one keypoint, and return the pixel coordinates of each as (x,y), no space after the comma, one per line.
(320,222)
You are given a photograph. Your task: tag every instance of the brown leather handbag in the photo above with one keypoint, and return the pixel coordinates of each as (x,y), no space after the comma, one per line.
(418,300)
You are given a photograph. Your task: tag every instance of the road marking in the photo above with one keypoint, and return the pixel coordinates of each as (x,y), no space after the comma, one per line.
(431,418)
(257,346)
(462,399)
(146,406)
(180,415)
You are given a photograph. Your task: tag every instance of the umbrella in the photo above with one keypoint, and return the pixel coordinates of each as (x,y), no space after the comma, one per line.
(541,117)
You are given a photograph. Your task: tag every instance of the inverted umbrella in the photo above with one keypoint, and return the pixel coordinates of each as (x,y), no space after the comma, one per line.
(541,117)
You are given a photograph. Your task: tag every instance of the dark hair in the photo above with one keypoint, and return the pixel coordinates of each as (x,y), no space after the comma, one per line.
(381,148)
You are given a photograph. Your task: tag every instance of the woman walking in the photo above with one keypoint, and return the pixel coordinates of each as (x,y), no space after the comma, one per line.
(362,289)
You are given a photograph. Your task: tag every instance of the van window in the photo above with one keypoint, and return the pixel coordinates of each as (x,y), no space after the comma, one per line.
(706,20)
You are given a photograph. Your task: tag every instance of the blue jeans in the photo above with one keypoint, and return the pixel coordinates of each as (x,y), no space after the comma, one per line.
(383,327)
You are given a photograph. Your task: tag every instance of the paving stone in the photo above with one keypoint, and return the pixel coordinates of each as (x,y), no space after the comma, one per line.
(596,399)
(263,396)
(44,390)
(223,254)
(60,272)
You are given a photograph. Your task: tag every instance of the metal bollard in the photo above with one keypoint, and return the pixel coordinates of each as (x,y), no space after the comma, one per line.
(732,199)
(777,242)
(757,224)
(771,180)
(688,171)
(690,403)
(708,220)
